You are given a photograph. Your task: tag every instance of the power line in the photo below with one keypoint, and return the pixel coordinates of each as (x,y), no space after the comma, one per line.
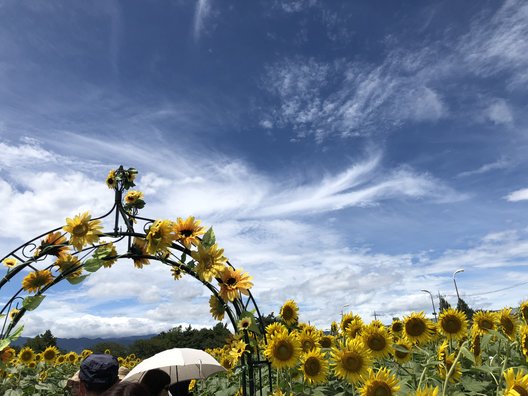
(492,291)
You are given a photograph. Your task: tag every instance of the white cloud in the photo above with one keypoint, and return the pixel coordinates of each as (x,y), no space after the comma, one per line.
(203,8)
(499,112)
(497,165)
(518,195)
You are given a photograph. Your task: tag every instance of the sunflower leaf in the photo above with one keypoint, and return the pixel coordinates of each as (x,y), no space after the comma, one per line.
(183,257)
(93,264)
(17,333)
(76,280)
(32,302)
(400,348)
(209,238)
(468,355)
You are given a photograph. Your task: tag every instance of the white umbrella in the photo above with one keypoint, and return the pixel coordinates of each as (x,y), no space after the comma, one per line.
(180,363)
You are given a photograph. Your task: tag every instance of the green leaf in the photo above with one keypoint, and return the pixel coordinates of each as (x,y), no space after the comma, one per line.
(468,355)
(4,343)
(17,333)
(102,252)
(32,302)
(209,238)
(93,264)
(78,279)
(183,257)
(400,348)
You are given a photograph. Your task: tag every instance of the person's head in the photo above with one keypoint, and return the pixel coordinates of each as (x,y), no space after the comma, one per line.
(180,388)
(98,372)
(126,388)
(156,380)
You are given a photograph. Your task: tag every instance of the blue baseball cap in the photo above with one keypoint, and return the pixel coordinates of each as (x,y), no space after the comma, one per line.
(99,369)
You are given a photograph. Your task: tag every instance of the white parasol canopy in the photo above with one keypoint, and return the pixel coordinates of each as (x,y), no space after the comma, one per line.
(180,363)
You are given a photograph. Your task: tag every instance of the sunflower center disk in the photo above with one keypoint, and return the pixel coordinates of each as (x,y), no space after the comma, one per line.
(352,363)
(80,230)
(520,390)
(312,366)
(415,328)
(377,343)
(381,389)
(486,324)
(452,325)
(284,351)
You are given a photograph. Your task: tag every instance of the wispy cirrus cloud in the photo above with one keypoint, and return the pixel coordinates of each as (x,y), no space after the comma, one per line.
(502,163)
(202,11)
(345,97)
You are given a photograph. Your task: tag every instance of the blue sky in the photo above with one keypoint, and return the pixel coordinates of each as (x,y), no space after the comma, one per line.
(346,153)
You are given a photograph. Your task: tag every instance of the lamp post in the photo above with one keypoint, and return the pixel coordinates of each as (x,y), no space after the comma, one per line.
(432,302)
(454,281)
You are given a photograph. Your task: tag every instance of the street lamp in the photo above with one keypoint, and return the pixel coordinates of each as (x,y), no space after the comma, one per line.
(432,302)
(454,281)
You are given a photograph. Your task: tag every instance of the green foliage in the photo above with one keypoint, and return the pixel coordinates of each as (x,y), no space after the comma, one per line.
(443,303)
(463,307)
(41,341)
(115,348)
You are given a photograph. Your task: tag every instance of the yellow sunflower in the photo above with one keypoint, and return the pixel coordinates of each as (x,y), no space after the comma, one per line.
(85,353)
(351,360)
(71,357)
(523,309)
(445,367)
(244,323)
(36,280)
(509,324)
(326,341)
(211,262)
(10,262)
(61,359)
(111,181)
(54,244)
(347,318)
(176,272)
(110,258)
(7,354)
(83,230)
(334,328)
(377,340)
(67,263)
(516,382)
(217,308)
(237,349)
(402,351)
(232,282)
(354,328)
(524,340)
(138,251)
(484,321)
(160,236)
(381,383)
(283,350)
(26,355)
(309,339)
(314,367)
(427,391)
(13,313)
(289,312)
(187,231)
(50,354)
(452,323)
(396,328)
(274,328)
(133,197)
(416,328)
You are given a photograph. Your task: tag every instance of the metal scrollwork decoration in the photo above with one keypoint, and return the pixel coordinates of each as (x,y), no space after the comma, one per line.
(81,247)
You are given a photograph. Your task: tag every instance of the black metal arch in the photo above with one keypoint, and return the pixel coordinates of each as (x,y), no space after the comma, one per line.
(125,219)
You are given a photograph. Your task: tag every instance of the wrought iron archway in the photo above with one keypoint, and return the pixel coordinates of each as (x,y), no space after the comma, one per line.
(39,256)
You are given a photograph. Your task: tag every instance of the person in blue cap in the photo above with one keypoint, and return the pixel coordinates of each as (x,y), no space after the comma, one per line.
(98,372)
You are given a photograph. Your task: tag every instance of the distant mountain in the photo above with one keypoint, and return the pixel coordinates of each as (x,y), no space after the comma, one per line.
(78,344)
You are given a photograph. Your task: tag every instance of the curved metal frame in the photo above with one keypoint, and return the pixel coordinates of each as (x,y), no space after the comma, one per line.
(29,257)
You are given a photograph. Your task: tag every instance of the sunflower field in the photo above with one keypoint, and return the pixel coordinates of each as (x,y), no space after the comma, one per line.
(411,356)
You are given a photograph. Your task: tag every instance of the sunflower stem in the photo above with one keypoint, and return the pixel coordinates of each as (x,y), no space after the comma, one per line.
(452,368)
(503,367)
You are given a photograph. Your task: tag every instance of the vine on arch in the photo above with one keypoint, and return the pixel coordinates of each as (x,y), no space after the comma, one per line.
(82,246)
